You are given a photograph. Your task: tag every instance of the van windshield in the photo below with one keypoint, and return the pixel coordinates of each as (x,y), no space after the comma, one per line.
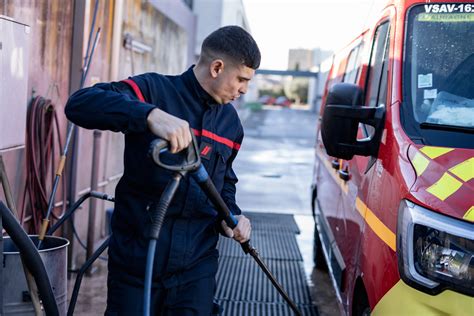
(439,67)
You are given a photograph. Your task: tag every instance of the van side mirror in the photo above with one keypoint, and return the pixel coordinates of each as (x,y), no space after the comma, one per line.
(342,114)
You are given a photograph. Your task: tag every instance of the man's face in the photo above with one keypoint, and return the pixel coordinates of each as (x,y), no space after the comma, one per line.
(230,82)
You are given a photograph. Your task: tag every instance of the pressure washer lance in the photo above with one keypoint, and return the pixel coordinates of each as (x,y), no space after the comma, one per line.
(202,178)
(200,175)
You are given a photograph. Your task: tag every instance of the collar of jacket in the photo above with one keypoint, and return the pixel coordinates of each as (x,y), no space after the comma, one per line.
(193,84)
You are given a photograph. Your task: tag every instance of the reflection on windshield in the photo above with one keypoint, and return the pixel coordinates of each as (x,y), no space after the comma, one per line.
(442,68)
(450,109)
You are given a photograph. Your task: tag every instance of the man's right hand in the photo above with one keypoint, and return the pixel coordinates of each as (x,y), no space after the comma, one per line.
(174,130)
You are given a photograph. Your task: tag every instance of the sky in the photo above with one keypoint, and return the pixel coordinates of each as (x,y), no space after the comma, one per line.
(280,25)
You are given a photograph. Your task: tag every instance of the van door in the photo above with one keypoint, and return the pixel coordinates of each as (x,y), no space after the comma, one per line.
(328,197)
(330,183)
(355,200)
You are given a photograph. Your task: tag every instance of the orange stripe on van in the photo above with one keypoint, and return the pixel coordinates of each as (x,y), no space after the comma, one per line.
(379,228)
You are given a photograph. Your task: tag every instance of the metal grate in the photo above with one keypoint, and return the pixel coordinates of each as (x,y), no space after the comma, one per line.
(271,245)
(241,279)
(263,309)
(244,289)
(273,222)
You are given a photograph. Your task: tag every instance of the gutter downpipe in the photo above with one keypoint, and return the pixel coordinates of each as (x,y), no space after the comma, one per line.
(96,150)
(79,42)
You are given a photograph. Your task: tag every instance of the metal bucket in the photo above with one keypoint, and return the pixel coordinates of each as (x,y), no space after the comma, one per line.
(16,298)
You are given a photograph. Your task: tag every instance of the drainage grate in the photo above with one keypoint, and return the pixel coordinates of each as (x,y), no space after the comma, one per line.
(243,288)
(271,222)
(262,309)
(241,279)
(271,245)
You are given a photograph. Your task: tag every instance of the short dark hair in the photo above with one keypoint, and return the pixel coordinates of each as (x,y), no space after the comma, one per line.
(232,42)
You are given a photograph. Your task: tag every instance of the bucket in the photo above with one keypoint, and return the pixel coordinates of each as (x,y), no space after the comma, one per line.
(16,298)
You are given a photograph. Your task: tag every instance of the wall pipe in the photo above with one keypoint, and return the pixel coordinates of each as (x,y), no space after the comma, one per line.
(96,151)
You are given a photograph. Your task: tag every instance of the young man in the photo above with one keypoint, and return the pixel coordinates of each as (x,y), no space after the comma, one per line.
(186,258)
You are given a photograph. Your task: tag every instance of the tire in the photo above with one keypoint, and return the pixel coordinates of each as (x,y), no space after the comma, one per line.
(362,311)
(318,255)
(361,304)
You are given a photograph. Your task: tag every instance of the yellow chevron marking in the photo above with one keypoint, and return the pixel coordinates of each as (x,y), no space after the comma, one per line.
(435,152)
(464,170)
(379,228)
(444,187)
(469,214)
(420,163)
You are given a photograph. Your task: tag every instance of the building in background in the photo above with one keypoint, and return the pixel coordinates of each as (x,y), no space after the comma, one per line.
(300,59)
(213,14)
(308,60)
(316,86)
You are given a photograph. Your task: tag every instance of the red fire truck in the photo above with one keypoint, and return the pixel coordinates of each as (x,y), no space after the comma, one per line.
(393,186)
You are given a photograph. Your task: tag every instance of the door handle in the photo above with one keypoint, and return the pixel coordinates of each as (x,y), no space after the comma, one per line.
(344,174)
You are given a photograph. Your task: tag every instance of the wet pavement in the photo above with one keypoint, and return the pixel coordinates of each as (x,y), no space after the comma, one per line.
(274,167)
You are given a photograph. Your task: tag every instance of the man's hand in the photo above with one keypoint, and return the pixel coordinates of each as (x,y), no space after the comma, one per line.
(241,232)
(169,127)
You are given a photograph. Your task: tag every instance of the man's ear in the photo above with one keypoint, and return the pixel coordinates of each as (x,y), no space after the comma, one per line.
(216,67)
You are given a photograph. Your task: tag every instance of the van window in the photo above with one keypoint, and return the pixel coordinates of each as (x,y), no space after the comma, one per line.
(376,86)
(377,80)
(438,80)
(353,65)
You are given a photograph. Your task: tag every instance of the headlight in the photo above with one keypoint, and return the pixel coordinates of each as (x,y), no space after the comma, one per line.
(435,252)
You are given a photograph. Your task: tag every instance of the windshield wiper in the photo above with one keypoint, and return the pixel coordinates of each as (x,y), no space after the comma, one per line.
(463,129)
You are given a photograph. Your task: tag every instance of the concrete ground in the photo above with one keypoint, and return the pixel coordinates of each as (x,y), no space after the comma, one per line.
(274,167)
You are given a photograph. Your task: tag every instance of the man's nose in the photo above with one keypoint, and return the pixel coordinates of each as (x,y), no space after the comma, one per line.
(243,89)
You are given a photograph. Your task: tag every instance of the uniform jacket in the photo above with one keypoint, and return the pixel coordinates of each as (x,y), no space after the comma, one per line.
(186,247)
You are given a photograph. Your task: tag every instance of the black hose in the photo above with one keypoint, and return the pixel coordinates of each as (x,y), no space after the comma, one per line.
(31,258)
(158,216)
(82,271)
(76,205)
(158,213)
(68,213)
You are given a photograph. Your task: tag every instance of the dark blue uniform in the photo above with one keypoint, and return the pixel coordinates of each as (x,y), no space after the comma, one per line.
(186,258)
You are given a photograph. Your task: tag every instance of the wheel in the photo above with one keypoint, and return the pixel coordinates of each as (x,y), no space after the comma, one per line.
(318,255)
(361,311)
(361,303)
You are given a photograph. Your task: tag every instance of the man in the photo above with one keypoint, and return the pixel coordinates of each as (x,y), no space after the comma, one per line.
(186,259)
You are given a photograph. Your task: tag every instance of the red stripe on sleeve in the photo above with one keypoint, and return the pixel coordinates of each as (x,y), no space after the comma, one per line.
(217,138)
(135,88)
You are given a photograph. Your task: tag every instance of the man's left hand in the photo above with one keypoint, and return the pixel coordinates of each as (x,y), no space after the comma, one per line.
(241,232)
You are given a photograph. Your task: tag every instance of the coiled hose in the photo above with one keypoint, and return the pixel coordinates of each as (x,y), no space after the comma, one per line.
(41,144)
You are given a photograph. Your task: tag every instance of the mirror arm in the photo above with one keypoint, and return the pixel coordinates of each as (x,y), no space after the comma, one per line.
(357,112)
